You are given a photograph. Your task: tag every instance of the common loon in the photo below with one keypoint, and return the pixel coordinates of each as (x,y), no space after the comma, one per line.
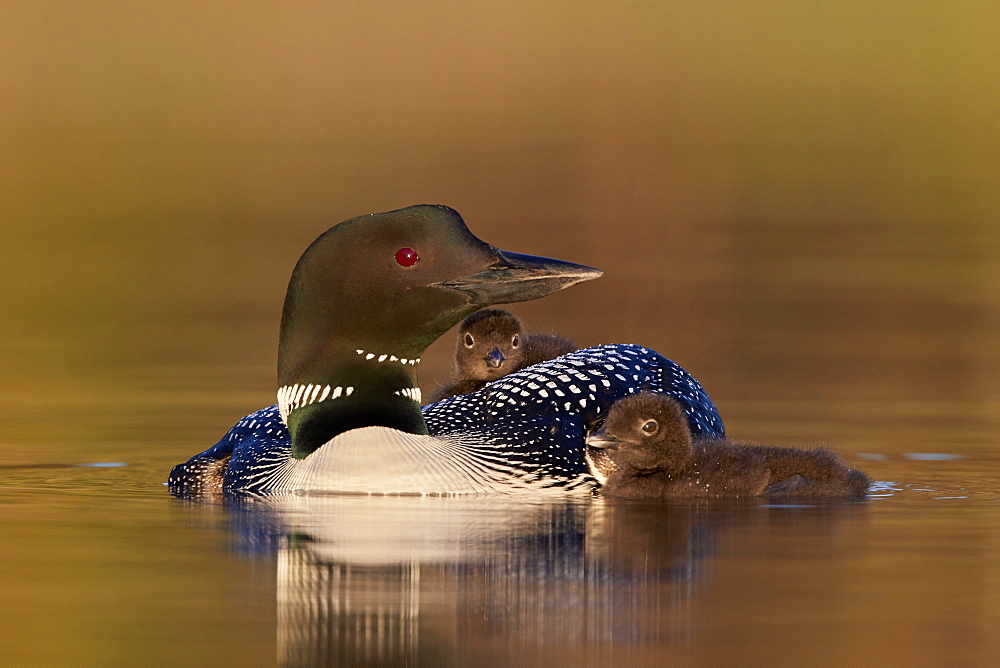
(491,344)
(363,303)
(650,453)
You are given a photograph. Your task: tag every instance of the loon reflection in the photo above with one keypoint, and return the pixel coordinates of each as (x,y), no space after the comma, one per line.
(429,580)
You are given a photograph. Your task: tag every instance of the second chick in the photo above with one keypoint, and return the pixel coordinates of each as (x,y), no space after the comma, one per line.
(491,344)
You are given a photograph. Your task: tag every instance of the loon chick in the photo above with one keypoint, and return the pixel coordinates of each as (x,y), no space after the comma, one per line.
(491,344)
(363,303)
(652,454)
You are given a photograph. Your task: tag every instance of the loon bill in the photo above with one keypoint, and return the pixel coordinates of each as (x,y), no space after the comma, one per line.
(363,303)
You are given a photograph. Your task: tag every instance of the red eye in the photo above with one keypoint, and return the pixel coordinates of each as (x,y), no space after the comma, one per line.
(406,257)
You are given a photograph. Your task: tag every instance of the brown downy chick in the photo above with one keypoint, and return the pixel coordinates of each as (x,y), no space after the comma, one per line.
(491,344)
(645,450)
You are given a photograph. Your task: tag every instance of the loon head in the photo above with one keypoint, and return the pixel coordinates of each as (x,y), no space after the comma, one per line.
(490,345)
(645,432)
(365,300)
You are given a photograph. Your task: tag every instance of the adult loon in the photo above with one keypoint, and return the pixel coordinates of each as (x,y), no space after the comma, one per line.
(491,344)
(363,303)
(651,453)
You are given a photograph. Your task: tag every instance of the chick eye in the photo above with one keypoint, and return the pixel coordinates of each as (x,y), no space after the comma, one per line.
(468,340)
(516,341)
(650,427)
(406,257)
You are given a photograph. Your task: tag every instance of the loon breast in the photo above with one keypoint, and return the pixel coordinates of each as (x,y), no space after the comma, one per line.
(388,461)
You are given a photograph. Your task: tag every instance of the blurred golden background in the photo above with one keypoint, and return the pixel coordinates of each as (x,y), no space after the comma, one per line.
(797,201)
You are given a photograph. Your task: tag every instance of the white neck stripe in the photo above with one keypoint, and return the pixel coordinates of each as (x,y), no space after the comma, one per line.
(295,396)
(384,357)
(410,393)
(292,397)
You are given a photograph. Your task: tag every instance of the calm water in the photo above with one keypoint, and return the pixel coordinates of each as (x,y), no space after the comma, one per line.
(798,204)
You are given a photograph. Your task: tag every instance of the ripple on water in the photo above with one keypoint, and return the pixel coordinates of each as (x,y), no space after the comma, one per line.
(913,456)
(932,456)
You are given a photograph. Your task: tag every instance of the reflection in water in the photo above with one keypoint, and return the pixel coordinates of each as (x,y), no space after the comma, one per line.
(410,580)
(345,614)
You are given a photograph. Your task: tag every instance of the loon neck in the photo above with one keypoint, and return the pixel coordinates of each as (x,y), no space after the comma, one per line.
(356,388)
